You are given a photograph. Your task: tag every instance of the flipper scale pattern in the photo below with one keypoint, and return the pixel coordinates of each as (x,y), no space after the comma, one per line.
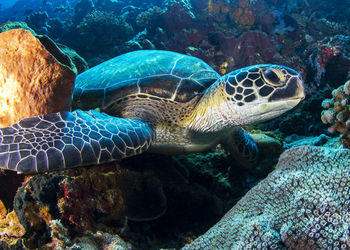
(70,139)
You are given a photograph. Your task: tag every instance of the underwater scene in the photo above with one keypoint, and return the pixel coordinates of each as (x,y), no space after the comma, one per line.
(174,124)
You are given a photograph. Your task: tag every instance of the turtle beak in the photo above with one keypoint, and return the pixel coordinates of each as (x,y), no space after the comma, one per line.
(301,90)
(293,92)
(299,94)
(294,102)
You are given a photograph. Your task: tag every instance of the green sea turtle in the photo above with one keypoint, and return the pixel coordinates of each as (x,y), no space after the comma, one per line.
(153,100)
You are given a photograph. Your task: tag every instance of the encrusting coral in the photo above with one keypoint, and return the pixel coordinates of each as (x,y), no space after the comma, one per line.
(10,228)
(338,112)
(9,224)
(330,53)
(83,199)
(303,204)
(244,15)
(241,13)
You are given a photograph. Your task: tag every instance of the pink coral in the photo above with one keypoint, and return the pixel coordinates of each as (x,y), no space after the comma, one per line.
(178,16)
(250,48)
(77,204)
(326,50)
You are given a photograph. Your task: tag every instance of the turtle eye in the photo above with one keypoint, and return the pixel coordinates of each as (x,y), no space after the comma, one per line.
(271,77)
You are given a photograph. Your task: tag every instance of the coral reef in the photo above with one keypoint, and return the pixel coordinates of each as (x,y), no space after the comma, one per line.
(110,195)
(219,7)
(186,24)
(10,228)
(241,13)
(58,50)
(267,145)
(56,28)
(38,22)
(16,25)
(178,15)
(303,204)
(250,48)
(84,199)
(244,15)
(79,62)
(310,36)
(97,240)
(321,140)
(188,184)
(101,32)
(59,209)
(82,9)
(101,240)
(326,55)
(330,28)
(337,112)
(150,18)
(44,82)
(35,207)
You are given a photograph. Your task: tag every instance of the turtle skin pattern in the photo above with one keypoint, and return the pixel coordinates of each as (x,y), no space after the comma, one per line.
(70,139)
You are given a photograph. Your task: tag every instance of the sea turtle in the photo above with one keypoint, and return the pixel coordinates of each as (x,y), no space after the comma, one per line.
(150,99)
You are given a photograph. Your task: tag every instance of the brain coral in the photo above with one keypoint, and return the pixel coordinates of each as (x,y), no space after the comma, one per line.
(338,112)
(303,204)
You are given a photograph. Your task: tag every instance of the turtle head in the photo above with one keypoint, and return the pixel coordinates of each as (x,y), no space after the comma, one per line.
(262,92)
(246,96)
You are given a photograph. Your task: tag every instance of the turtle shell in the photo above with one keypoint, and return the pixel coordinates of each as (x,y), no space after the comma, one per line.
(162,74)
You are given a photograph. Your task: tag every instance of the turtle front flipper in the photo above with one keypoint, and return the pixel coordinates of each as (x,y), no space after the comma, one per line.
(242,148)
(70,139)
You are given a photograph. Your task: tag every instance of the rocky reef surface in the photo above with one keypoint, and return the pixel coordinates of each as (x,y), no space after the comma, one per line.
(140,204)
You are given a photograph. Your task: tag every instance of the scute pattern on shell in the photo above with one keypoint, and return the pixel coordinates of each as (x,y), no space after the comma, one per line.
(159,73)
(303,204)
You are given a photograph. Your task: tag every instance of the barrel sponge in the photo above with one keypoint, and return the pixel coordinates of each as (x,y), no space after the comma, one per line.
(303,204)
(337,112)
